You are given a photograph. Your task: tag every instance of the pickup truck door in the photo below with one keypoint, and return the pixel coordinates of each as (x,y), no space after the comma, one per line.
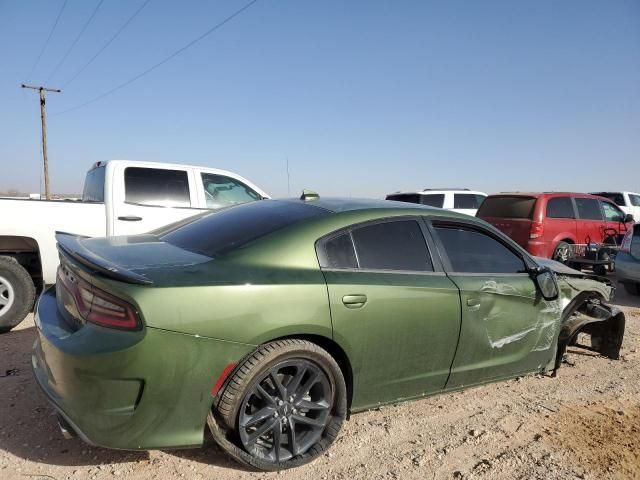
(147,197)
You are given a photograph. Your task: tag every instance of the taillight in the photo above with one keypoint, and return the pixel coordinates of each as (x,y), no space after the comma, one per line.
(97,306)
(537,229)
(626,241)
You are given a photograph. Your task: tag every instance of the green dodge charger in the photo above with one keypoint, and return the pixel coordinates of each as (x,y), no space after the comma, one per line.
(272,321)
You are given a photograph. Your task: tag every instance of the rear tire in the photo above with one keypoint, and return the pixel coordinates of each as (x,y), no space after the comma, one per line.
(17,293)
(293,392)
(632,288)
(562,253)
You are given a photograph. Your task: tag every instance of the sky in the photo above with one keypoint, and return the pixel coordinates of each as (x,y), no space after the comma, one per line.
(363,98)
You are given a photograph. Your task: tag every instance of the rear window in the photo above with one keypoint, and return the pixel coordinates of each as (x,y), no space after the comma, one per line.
(588,208)
(561,207)
(467,200)
(219,232)
(94,186)
(156,187)
(507,207)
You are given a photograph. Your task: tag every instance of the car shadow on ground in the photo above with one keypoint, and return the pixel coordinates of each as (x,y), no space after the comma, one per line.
(28,425)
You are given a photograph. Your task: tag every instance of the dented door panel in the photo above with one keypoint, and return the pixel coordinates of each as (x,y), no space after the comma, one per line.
(507,328)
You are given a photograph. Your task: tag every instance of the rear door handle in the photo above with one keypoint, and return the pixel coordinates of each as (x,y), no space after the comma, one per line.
(354,301)
(130,218)
(473,303)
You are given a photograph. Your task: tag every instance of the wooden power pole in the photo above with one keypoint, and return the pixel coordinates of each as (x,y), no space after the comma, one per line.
(43,116)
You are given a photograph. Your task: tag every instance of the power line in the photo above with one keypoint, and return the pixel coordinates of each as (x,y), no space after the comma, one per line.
(103,48)
(162,62)
(73,44)
(44,47)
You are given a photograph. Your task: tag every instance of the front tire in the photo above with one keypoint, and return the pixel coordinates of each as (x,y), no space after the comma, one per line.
(17,293)
(282,407)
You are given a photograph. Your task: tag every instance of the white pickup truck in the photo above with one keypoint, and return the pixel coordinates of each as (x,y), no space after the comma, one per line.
(120,197)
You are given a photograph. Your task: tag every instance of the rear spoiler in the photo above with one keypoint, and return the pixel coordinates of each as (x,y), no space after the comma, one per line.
(71,246)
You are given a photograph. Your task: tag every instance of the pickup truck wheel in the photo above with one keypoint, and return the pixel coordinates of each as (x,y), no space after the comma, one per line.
(282,407)
(17,293)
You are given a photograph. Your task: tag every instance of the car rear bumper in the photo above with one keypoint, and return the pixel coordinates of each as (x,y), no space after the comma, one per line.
(627,268)
(128,390)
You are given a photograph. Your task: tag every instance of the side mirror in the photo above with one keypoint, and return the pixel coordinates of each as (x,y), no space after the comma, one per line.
(628,218)
(546,281)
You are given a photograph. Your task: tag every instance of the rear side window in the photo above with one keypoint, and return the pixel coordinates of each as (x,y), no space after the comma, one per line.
(94,185)
(404,197)
(635,200)
(615,197)
(467,201)
(397,245)
(507,207)
(612,213)
(471,251)
(433,200)
(221,231)
(560,207)
(157,187)
(339,252)
(588,208)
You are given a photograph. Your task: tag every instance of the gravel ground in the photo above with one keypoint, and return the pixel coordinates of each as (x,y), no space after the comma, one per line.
(583,424)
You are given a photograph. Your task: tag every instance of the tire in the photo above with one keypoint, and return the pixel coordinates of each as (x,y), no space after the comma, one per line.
(600,270)
(632,288)
(562,253)
(251,401)
(17,293)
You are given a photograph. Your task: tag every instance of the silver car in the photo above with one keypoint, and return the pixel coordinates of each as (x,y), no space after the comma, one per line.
(628,261)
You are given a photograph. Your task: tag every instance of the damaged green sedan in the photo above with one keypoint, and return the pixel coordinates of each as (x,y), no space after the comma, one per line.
(271,322)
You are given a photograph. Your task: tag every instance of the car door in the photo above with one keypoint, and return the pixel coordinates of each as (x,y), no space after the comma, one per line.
(590,224)
(151,197)
(614,222)
(507,328)
(393,308)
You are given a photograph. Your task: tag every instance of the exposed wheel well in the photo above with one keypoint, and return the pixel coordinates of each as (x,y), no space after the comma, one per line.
(337,353)
(27,253)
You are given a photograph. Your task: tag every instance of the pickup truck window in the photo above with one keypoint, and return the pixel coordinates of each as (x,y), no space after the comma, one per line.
(221,191)
(157,187)
(94,186)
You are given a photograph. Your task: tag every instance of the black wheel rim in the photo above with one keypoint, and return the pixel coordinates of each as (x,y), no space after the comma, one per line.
(286,411)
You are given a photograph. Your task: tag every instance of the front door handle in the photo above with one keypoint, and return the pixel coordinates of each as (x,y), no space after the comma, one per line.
(354,301)
(130,218)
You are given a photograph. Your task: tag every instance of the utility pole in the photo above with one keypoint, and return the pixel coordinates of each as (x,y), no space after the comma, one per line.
(43,116)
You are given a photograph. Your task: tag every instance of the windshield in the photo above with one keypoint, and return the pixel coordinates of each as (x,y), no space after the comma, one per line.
(217,233)
(507,207)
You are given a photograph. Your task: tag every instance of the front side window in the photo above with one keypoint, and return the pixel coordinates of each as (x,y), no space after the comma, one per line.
(467,201)
(635,200)
(221,191)
(156,187)
(433,200)
(471,251)
(560,207)
(396,245)
(588,209)
(612,213)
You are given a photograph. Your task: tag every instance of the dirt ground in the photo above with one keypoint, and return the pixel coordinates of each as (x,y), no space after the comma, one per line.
(583,424)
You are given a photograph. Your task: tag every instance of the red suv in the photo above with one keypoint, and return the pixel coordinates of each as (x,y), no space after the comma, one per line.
(544,223)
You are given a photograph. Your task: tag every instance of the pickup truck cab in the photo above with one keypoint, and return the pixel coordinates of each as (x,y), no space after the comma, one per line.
(120,197)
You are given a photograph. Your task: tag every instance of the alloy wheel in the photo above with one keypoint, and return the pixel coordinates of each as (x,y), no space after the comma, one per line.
(7,296)
(286,411)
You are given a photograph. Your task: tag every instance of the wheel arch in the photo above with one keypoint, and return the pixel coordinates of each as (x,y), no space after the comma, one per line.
(336,351)
(26,251)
